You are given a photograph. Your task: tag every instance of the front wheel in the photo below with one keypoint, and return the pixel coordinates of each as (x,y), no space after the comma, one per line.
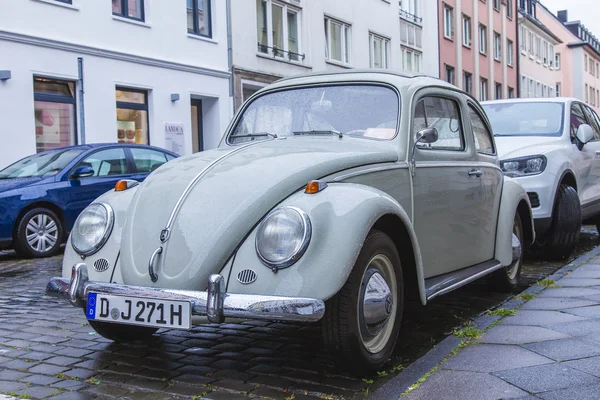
(506,279)
(120,332)
(362,321)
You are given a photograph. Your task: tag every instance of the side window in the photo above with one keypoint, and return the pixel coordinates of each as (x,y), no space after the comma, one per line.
(483,137)
(593,121)
(443,115)
(107,162)
(147,160)
(577,118)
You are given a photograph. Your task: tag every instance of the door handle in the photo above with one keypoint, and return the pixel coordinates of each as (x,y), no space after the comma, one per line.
(475,172)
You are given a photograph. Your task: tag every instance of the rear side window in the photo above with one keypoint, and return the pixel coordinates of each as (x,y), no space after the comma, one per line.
(147,160)
(444,115)
(483,137)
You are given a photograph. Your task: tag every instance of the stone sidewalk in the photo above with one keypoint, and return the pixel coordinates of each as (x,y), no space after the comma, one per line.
(544,344)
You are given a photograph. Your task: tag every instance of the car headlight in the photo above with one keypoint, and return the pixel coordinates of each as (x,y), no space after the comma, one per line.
(524,166)
(283,236)
(92,228)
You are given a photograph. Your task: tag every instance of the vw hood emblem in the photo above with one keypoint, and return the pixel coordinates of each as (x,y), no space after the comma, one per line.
(164,235)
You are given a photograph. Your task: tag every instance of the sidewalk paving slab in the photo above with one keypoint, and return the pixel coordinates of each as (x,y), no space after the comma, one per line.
(548,349)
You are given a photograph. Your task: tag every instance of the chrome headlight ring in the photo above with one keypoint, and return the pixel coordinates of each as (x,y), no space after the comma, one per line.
(107,227)
(270,229)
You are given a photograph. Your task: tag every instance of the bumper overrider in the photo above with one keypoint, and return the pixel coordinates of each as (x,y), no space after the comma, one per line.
(214,303)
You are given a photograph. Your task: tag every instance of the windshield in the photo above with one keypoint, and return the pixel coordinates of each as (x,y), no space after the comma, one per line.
(367,111)
(42,164)
(525,119)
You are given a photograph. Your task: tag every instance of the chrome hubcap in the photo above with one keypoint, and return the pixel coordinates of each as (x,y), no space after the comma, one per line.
(377,304)
(41,233)
(517,252)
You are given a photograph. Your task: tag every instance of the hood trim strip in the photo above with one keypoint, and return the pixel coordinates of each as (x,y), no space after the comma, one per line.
(165,232)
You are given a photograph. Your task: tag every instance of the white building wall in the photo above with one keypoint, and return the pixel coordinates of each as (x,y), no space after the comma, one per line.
(431,44)
(45,39)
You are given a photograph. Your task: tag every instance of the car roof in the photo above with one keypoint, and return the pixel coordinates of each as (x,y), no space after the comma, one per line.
(93,146)
(561,100)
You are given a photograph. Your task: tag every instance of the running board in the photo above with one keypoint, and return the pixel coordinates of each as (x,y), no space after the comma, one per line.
(443,284)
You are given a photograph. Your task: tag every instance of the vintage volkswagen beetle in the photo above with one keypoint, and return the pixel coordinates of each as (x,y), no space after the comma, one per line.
(331,197)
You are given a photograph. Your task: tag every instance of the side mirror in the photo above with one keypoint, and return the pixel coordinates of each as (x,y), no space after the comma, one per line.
(585,133)
(427,135)
(82,172)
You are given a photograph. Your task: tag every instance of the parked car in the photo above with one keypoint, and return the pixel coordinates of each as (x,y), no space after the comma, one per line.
(42,195)
(551,146)
(329,198)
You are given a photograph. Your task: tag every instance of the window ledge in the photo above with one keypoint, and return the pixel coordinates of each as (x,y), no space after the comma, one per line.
(498,59)
(59,4)
(467,46)
(449,38)
(131,21)
(202,38)
(338,64)
(281,60)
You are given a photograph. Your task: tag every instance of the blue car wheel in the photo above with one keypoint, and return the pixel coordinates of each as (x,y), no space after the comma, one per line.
(39,234)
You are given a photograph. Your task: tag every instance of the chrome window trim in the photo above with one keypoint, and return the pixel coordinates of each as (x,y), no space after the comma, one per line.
(349,175)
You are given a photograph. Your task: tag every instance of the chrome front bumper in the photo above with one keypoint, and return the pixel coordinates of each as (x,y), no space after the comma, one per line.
(214,303)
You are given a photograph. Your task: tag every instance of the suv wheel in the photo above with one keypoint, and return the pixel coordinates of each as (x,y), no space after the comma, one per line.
(561,239)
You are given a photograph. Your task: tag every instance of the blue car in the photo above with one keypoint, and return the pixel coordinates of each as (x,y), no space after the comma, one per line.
(42,195)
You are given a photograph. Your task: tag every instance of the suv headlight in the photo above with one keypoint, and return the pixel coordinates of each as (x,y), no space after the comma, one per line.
(283,236)
(524,166)
(92,228)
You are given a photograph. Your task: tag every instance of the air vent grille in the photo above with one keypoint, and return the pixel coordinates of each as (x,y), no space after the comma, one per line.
(246,276)
(534,199)
(101,264)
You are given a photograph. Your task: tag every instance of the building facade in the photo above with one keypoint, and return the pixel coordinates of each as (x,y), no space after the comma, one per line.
(300,36)
(106,71)
(539,62)
(478,40)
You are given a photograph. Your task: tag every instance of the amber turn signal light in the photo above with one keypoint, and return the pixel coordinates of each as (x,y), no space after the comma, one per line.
(313,187)
(125,184)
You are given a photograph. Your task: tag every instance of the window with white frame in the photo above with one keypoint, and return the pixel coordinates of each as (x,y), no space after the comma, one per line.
(337,41)
(411,7)
(523,86)
(468,82)
(497,5)
(509,52)
(411,34)
(557,61)
(551,55)
(278,29)
(466,30)
(498,91)
(558,89)
(411,59)
(448,22)
(531,88)
(509,9)
(585,62)
(538,49)
(523,39)
(450,74)
(497,46)
(378,51)
(482,39)
(483,89)
(531,44)
(545,54)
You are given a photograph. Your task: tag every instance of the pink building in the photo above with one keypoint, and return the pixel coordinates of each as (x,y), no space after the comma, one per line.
(478,46)
(538,60)
(577,58)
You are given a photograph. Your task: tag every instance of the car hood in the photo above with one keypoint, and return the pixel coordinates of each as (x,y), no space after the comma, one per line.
(229,190)
(521,146)
(6,185)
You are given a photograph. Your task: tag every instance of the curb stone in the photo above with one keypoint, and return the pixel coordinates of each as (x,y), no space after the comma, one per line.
(399,384)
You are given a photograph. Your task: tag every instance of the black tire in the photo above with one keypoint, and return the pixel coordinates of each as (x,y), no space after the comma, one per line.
(48,231)
(122,333)
(506,279)
(344,327)
(560,241)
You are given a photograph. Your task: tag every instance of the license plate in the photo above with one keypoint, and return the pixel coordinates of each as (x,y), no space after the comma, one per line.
(139,311)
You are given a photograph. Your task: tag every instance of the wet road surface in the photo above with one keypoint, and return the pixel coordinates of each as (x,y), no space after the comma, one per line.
(47,349)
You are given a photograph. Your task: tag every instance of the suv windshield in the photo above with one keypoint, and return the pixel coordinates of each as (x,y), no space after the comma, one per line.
(525,119)
(46,163)
(367,111)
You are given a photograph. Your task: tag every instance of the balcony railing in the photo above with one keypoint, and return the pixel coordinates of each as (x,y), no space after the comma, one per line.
(291,56)
(411,17)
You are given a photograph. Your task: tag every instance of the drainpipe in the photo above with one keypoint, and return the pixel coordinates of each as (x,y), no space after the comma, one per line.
(229,52)
(81,102)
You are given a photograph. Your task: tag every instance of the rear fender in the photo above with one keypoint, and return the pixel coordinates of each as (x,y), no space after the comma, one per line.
(341,216)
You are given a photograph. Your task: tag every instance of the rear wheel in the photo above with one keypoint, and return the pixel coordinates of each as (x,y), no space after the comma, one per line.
(506,279)
(39,234)
(362,320)
(560,241)
(122,333)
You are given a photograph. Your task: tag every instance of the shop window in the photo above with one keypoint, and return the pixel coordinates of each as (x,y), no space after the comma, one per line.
(54,110)
(132,116)
(199,17)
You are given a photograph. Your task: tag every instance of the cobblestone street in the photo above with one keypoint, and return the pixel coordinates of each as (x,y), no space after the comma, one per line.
(47,349)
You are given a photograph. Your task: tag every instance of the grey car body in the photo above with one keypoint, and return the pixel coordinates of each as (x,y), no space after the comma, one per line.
(449,211)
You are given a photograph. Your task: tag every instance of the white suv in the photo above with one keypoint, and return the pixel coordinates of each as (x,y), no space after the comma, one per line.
(552,147)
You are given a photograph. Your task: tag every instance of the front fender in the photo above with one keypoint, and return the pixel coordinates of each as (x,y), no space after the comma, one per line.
(119,201)
(341,215)
(514,199)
